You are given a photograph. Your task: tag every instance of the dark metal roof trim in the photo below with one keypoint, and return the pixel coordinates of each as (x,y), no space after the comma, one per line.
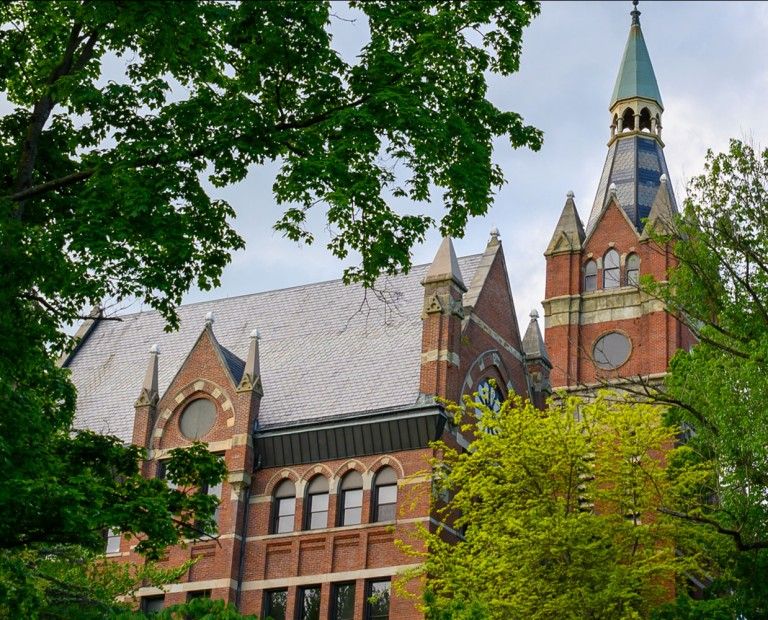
(353,437)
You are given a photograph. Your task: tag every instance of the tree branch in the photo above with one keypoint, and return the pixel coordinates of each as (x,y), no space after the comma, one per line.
(735,534)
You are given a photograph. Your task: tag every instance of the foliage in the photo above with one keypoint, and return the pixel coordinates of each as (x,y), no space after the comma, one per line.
(202,609)
(558,510)
(719,389)
(115,116)
(66,581)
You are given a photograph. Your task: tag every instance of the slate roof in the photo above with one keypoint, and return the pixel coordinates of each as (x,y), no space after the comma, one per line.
(326,350)
(635,164)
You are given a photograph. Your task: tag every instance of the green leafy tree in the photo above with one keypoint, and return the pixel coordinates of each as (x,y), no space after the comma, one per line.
(558,510)
(719,389)
(117,114)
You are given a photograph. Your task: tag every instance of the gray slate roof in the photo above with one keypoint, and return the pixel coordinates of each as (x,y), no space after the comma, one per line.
(326,350)
(635,164)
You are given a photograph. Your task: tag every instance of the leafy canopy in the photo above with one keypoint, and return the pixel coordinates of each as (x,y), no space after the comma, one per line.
(558,510)
(719,389)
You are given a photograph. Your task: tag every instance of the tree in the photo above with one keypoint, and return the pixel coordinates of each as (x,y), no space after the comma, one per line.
(719,389)
(558,510)
(102,193)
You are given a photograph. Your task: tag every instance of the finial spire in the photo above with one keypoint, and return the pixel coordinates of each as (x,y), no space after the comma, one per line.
(251,379)
(635,13)
(149,392)
(445,266)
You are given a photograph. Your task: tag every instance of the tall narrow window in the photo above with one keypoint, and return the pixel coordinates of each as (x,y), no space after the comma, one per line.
(611,269)
(317,504)
(385,495)
(343,603)
(284,508)
(633,270)
(590,276)
(351,500)
(275,604)
(377,600)
(309,603)
(113,541)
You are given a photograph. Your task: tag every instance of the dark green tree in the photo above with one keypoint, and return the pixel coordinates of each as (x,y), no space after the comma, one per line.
(116,114)
(719,389)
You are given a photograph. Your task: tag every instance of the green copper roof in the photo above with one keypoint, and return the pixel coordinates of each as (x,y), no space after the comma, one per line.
(636,77)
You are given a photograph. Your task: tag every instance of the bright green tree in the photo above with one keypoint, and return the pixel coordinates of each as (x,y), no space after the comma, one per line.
(719,389)
(558,510)
(117,114)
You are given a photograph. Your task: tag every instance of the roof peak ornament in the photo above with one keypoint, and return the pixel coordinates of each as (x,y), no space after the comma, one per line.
(635,13)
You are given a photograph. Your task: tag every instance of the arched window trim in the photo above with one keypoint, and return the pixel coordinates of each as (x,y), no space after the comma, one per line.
(283,507)
(316,511)
(628,120)
(611,269)
(351,499)
(590,276)
(633,270)
(385,495)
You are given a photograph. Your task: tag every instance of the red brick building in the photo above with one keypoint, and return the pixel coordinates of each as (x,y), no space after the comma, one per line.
(321,398)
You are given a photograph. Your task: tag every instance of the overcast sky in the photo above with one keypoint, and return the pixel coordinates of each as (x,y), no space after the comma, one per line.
(710,63)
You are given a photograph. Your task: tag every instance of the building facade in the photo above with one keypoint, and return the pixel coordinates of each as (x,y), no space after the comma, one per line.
(323,399)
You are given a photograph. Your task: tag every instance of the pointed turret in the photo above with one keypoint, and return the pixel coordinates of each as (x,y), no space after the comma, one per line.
(635,160)
(662,216)
(537,361)
(445,266)
(149,394)
(569,232)
(636,77)
(251,380)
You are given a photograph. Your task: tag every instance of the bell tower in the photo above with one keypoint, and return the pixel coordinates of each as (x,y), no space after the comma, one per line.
(599,326)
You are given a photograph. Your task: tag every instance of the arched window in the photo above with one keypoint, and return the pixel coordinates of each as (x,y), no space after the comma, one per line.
(633,270)
(628,120)
(385,495)
(351,499)
(590,276)
(284,507)
(316,512)
(611,270)
(645,119)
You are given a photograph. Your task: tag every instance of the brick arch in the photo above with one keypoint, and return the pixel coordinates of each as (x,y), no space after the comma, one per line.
(387,461)
(347,466)
(191,391)
(321,469)
(284,474)
(488,360)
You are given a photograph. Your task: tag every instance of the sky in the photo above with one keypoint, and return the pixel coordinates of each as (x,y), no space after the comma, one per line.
(710,64)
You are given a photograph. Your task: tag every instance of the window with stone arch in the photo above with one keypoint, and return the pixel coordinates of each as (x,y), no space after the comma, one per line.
(284,507)
(611,269)
(316,512)
(351,499)
(385,495)
(590,276)
(633,270)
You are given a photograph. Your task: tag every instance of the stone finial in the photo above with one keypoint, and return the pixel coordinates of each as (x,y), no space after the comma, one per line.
(149,391)
(251,379)
(570,195)
(445,266)
(663,178)
(533,342)
(209,319)
(612,188)
(662,215)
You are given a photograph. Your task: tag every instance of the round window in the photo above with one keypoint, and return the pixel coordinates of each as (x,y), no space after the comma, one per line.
(198,418)
(611,350)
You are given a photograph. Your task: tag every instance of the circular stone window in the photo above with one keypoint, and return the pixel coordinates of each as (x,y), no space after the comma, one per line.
(611,350)
(198,418)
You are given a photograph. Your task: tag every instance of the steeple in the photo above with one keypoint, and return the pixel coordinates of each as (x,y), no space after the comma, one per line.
(635,160)
(636,77)
(569,232)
